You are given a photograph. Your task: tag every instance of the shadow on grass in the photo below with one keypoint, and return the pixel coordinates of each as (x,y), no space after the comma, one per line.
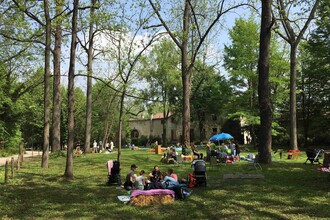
(289,191)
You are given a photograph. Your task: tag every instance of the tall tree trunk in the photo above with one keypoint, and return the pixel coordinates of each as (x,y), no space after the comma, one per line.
(89,81)
(56,137)
(45,150)
(164,122)
(305,109)
(263,87)
(69,159)
(107,124)
(293,97)
(186,76)
(293,39)
(201,126)
(120,127)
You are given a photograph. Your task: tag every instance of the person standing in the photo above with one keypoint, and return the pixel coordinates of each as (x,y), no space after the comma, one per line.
(94,146)
(111,146)
(208,151)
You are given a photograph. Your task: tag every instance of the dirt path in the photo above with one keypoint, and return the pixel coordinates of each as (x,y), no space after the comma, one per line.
(27,154)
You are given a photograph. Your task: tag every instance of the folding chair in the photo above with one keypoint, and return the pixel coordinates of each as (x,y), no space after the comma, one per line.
(255,164)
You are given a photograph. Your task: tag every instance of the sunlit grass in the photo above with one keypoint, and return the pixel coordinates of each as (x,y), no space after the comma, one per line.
(290,190)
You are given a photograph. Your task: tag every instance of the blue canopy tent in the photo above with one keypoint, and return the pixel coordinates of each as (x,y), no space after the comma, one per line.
(221,137)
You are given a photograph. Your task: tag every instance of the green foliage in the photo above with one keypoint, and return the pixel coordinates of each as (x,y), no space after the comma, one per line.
(80,114)
(57,154)
(241,59)
(211,92)
(141,141)
(105,111)
(20,107)
(160,71)
(314,99)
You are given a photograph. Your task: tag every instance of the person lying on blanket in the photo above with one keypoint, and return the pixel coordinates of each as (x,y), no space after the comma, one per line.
(168,182)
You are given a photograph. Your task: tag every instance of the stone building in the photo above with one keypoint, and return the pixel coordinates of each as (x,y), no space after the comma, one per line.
(199,131)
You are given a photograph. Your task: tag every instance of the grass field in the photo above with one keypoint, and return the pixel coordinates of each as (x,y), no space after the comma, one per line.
(290,190)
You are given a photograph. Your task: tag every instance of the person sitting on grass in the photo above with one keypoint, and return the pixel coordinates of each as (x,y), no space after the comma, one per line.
(171,173)
(195,151)
(140,181)
(155,178)
(155,174)
(130,178)
(168,182)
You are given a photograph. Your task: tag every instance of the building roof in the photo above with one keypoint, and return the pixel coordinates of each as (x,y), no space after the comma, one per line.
(156,116)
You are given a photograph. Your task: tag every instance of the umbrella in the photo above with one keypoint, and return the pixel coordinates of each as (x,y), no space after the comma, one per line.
(220,137)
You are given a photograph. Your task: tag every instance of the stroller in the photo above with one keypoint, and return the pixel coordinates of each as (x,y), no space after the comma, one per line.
(199,173)
(113,173)
(313,155)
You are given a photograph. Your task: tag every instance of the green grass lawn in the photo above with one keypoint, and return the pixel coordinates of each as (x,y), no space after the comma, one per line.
(290,190)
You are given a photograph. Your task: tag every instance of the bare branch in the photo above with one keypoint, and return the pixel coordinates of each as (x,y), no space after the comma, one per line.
(108,84)
(219,14)
(164,24)
(195,19)
(310,18)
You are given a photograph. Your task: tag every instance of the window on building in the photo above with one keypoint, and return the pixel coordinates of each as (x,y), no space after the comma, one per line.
(135,133)
(173,135)
(214,130)
(214,117)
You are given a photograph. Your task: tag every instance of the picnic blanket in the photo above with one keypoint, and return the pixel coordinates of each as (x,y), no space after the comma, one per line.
(152,192)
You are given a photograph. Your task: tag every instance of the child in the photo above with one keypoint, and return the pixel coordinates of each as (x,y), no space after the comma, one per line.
(140,181)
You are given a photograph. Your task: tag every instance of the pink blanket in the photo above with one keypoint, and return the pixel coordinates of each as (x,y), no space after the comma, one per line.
(109,165)
(153,192)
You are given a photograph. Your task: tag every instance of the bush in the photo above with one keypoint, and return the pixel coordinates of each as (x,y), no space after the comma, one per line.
(57,154)
(141,141)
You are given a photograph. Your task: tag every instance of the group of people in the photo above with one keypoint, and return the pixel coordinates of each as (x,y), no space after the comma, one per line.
(171,155)
(194,151)
(229,149)
(155,179)
(98,148)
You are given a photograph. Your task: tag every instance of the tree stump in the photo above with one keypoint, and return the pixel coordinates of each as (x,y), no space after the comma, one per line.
(12,167)
(6,172)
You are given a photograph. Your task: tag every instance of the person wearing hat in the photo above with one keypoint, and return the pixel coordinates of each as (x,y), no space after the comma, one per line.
(130,178)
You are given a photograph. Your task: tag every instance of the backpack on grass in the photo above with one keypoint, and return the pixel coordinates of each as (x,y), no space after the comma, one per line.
(179,193)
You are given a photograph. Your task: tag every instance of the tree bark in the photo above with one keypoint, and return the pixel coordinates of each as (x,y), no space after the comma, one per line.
(69,160)
(120,127)
(107,124)
(45,149)
(293,39)
(89,81)
(186,76)
(263,87)
(56,137)
(293,98)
